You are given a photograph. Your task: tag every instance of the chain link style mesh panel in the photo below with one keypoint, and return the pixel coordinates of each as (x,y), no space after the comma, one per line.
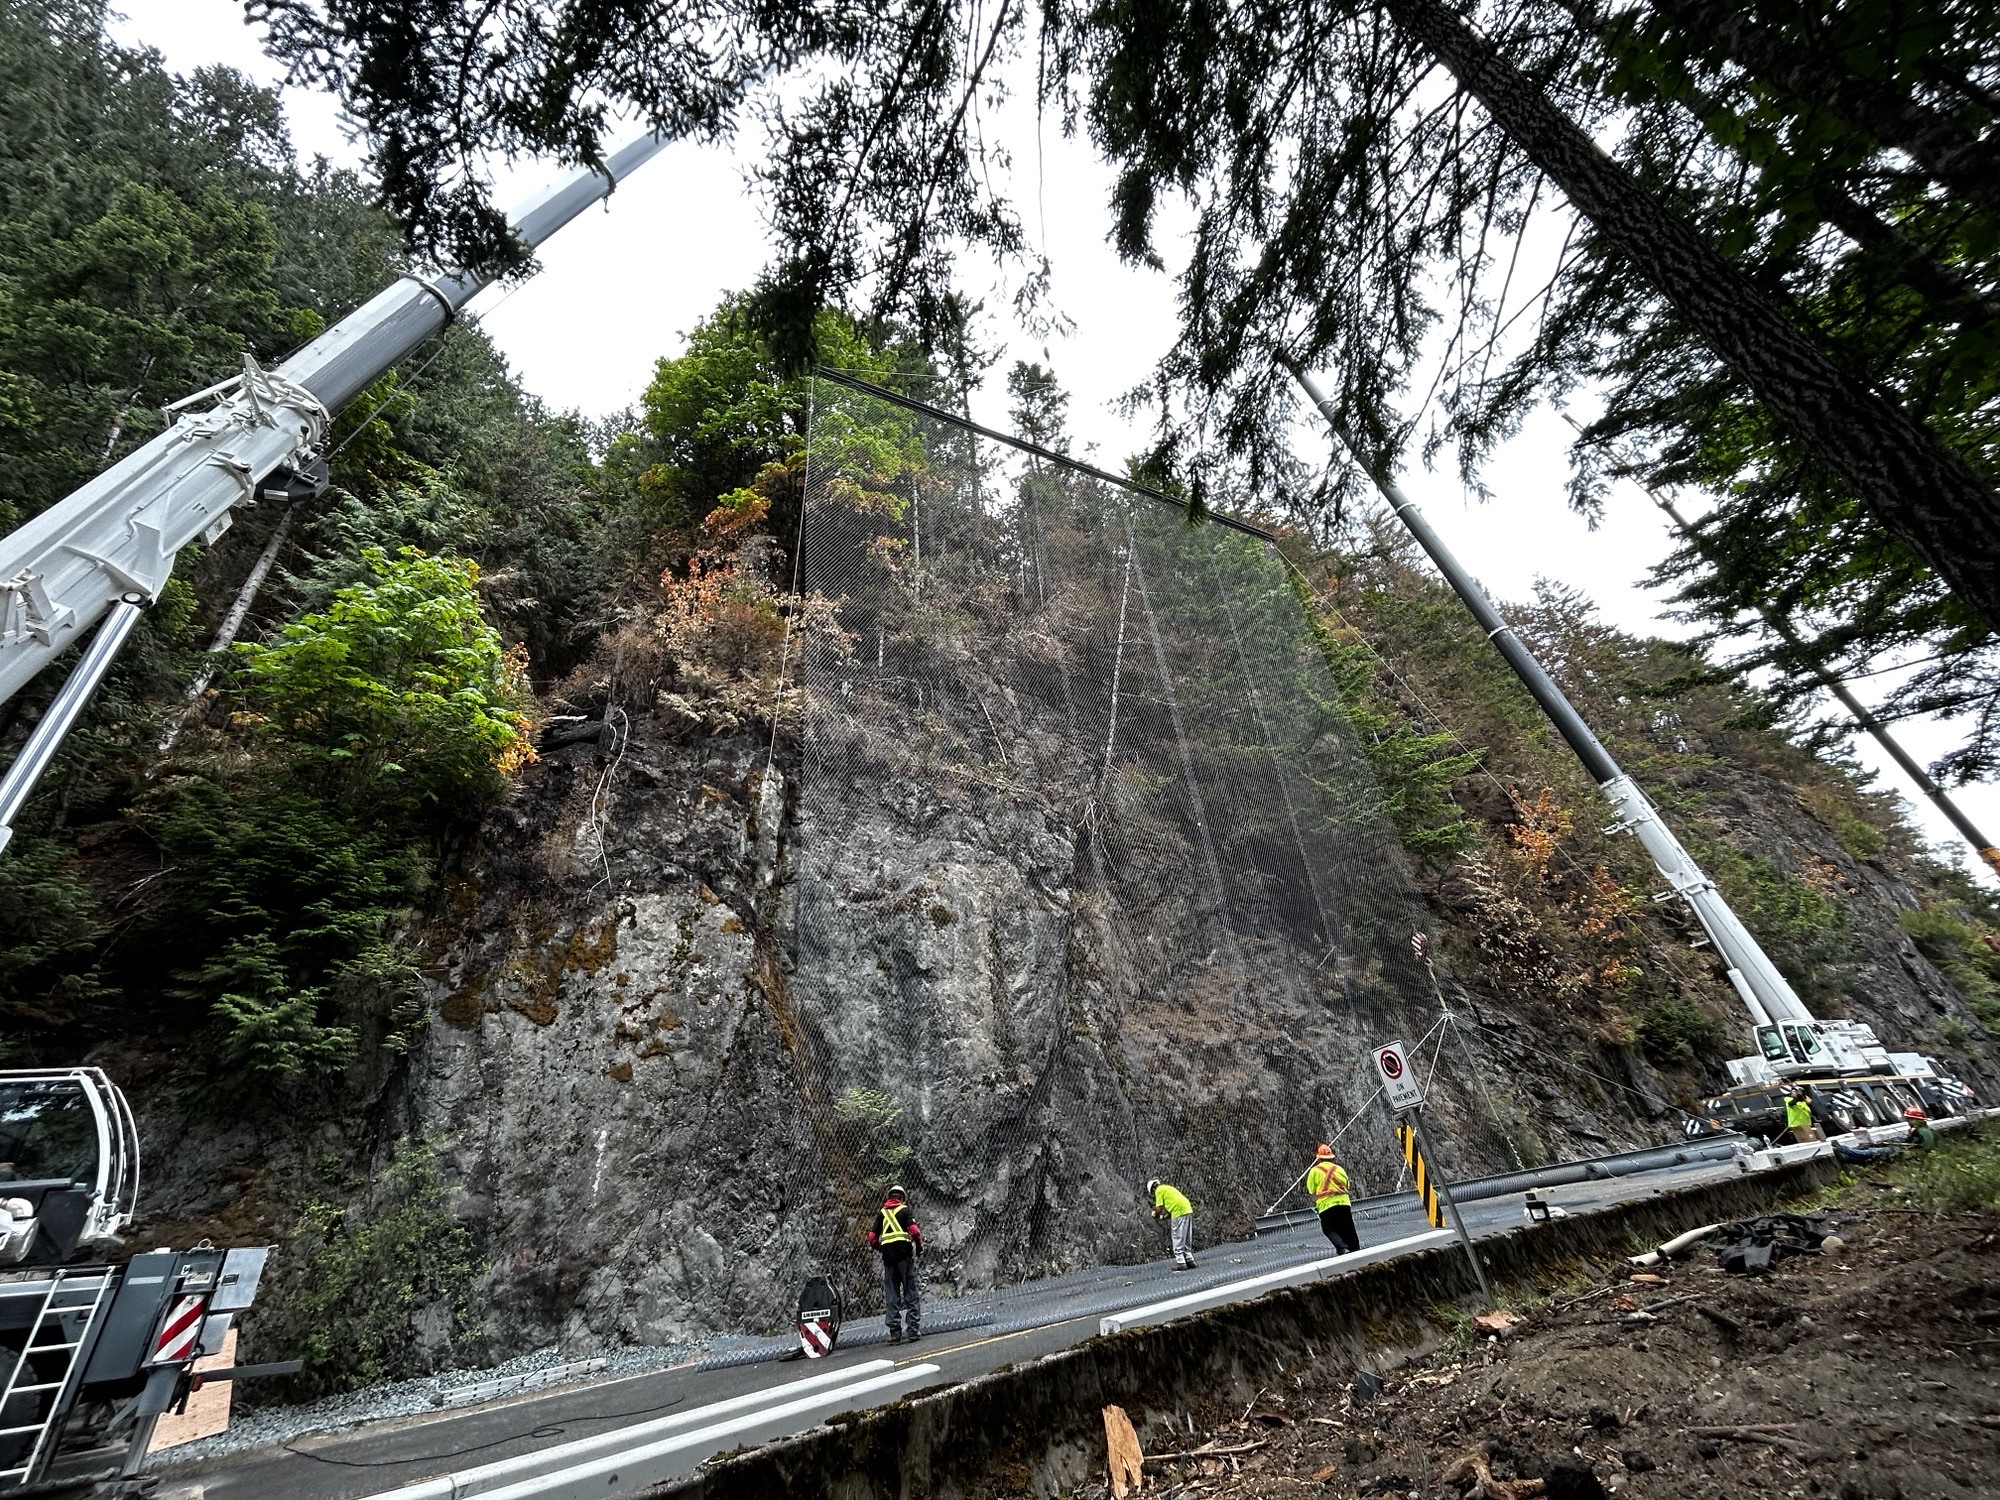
(1092,881)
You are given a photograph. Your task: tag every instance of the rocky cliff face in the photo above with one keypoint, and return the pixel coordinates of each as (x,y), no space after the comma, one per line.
(645,1082)
(1018,926)
(1037,893)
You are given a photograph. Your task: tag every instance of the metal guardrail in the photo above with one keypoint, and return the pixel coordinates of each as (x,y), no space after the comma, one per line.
(1556,1174)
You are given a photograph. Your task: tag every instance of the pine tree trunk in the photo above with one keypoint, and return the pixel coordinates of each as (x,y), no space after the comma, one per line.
(1949,154)
(1914,483)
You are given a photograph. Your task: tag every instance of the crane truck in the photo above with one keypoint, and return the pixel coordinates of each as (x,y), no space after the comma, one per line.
(95,1347)
(1852,1079)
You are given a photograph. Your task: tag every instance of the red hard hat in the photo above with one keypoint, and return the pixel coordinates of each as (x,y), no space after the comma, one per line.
(1913,1113)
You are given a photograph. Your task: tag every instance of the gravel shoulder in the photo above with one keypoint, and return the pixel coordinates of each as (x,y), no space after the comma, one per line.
(543,1369)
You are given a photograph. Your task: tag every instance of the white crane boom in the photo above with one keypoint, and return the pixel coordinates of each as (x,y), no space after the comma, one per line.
(1790,1039)
(105,552)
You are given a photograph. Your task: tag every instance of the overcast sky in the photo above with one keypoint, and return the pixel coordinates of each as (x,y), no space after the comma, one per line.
(620,287)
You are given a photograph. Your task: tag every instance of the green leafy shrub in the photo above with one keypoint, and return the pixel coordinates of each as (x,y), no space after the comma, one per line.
(1960,1172)
(399,692)
(1674,1029)
(49,935)
(281,911)
(1802,928)
(1842,813)
(872,1122)
(1414,771)
(378,1290)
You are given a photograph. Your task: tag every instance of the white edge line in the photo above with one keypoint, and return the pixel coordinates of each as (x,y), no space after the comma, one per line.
(525,1465)
(615,1471)
(1235,1291)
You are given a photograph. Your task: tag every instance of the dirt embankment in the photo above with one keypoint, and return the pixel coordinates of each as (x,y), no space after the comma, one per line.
(1868,1373)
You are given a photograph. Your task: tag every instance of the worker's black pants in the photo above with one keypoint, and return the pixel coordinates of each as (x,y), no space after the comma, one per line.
(901,1306)
(1338,1223)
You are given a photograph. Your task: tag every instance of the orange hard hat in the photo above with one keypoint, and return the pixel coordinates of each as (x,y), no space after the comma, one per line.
(1324,1150)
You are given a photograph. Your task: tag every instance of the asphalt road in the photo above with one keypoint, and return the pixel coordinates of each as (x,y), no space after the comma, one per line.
(386,1456)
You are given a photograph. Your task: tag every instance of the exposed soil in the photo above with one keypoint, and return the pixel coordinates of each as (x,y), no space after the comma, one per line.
(1869,1373)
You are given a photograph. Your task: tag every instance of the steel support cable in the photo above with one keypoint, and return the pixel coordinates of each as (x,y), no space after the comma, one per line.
(1430,1084)
(1580,1068)
(958,539)
(1277,766)
(927,699)
(1352,1121)
(798,558)
(1479,1082)
(1471,1062)
(1444,1024)
(938,413)
(1219,892)
(1049,455)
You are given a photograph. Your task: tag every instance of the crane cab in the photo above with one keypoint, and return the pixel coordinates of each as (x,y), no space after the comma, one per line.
(69,1164)
(1796,1049)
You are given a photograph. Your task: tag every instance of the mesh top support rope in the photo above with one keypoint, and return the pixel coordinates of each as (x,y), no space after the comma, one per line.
(1023,445)
(1078,804)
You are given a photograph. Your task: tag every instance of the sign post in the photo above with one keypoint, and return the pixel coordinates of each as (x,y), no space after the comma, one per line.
(1406,1101)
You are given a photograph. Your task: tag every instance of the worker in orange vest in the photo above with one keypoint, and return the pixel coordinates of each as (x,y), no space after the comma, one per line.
(1327,1183)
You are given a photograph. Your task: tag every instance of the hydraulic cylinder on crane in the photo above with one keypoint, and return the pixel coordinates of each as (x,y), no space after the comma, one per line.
(105,552)
(1789,1038)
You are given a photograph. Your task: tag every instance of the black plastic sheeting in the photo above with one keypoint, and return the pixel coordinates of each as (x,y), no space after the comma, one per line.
(1752,1247)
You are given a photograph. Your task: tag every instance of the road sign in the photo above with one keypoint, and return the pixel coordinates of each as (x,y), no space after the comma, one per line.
(817,1335)
(1399,1083)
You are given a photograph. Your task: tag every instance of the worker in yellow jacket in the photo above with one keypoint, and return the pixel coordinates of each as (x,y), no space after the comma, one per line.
(1171,1204)
(1327,1184)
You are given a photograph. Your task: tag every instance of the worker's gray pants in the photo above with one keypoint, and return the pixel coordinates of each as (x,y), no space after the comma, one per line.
(1182,1229)
(901,1304)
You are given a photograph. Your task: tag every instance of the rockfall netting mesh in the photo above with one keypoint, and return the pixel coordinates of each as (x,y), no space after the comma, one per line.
(1092,880)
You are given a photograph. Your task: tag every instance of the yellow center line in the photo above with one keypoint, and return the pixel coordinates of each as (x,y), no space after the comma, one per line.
(991,1338)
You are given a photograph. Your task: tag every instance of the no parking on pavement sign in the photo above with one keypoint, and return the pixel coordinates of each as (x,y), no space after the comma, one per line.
(1399,1083)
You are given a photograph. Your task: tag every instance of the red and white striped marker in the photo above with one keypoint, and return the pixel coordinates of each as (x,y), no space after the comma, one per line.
(816,1338)
(180,1332)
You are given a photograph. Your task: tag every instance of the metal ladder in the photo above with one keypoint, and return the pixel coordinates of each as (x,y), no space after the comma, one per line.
(71,1295)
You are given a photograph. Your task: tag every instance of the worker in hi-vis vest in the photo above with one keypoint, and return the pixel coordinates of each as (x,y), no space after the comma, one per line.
(1798,1116)
(1326,1182)
(1171,1204)
(899,1241)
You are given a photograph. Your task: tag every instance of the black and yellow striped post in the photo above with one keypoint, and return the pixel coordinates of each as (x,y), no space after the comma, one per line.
(1427,1188)
(1435,1196)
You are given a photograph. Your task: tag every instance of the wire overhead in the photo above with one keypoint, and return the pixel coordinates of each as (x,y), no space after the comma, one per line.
(1080,811)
